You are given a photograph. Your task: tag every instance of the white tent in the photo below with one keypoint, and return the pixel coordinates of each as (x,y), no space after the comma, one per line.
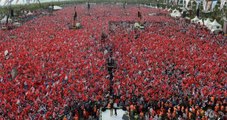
(207,23)
(56,7)
(3,21)
(200,22)
(175,13)
(222,3)
(138,26)
(195,20)
(29,13)
(215,27)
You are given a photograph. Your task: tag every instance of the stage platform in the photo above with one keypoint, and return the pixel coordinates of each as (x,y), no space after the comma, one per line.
(106,115)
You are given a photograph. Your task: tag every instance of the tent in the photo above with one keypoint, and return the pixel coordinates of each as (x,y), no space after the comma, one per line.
(3,21)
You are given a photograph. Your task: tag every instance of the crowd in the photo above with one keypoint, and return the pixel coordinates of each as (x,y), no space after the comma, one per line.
(171,69)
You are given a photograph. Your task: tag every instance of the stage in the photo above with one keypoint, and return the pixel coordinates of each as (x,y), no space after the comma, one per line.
(106,115)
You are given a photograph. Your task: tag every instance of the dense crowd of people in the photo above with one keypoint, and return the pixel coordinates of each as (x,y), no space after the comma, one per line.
(171,69)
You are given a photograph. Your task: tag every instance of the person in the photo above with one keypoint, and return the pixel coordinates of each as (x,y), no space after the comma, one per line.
(103,36)
(184,12)
(14,73)
(76,117)
(75,24)
(74,17)
(115,107)
(111,108)
(124,4)
(52,8)
(110,66)
(141,22)
(139,15)
(88,6)
(125,116)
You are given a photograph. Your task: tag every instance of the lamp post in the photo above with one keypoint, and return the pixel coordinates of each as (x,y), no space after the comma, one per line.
(225,28)
(110,68)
